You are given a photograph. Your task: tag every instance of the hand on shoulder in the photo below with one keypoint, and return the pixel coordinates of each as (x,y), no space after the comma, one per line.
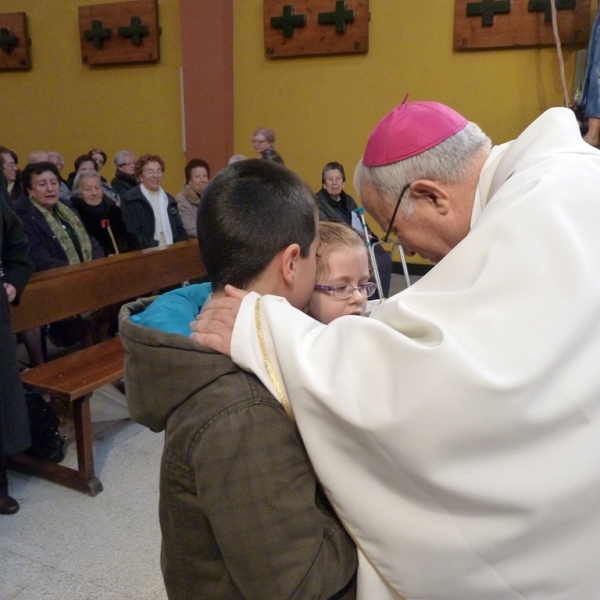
(213,327)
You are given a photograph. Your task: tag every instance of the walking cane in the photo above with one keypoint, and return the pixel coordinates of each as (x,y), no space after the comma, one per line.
(106,224)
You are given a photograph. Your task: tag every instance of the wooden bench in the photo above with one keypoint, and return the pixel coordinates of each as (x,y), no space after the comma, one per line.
(67,291)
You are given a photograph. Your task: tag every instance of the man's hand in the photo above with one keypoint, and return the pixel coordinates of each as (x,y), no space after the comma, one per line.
(11,292)
(213,327)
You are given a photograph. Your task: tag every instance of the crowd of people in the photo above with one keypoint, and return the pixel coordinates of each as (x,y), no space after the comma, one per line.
(85,216)
(444,447)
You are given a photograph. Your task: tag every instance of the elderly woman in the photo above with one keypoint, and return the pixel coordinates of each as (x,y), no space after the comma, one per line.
(337,206)
(124,179)
(149,212)
(197,174)
(56,234)
(263,139)
(9,165)
(101,217)
(57,238)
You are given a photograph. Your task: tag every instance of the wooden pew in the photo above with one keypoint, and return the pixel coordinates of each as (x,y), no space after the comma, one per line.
(67,291)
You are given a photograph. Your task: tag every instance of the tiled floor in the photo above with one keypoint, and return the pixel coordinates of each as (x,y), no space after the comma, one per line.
(63,545)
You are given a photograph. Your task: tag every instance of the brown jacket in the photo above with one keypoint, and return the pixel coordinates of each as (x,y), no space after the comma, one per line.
(241,512)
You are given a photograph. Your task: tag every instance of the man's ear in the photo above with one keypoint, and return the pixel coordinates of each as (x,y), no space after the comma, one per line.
(432,191)
(289,263)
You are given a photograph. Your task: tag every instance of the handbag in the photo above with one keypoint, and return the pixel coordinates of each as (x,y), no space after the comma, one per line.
(46,441)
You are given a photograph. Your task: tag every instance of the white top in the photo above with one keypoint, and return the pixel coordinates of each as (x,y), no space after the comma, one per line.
(457,430)
(162,226)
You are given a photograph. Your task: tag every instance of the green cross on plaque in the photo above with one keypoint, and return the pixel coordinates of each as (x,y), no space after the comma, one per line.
(487,9)
(539,5)
(7,40)
(288,21)
(97,34)
(135,31)
(340,16)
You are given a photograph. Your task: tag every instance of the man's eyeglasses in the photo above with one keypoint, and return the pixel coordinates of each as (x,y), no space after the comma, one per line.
(343,291)
(386,237)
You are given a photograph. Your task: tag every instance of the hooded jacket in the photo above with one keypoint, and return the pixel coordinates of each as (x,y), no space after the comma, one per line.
(241,512)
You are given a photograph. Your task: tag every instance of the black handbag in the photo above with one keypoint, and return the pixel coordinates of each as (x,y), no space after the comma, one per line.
(46,441)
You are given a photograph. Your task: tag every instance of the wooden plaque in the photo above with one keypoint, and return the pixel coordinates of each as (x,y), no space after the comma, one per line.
(309,27)
(514,23)
(14,41)
(121,32)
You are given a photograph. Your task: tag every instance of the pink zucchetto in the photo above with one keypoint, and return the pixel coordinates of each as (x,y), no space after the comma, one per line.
(410,129)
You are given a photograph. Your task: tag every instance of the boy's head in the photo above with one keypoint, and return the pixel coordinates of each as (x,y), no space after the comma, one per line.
(342,274)
(257,231)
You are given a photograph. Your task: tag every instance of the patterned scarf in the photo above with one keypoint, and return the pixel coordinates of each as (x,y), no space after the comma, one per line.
(64,213)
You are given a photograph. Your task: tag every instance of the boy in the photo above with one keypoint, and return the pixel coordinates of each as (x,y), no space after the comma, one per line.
(343,284)
(241,512)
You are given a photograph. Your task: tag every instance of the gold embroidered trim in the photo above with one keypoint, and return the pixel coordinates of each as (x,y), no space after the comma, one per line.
(288,409)
(269,366)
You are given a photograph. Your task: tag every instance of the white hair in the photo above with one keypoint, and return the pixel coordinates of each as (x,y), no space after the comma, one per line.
(76,192)
(237,158)
(120,157)
(449,161)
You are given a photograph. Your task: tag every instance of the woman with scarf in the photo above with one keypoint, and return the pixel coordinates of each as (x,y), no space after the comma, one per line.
(57,238)
(101,217)
(148,211)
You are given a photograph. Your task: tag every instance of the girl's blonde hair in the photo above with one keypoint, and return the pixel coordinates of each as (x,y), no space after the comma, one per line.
(333,237)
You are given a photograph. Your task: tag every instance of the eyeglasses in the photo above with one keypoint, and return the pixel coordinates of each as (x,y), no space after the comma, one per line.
(257,141)
(386,237)
(343,291)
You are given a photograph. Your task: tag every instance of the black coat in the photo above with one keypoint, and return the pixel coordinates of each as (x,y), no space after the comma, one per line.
(139,218)
(45,251)
(16,270)
(122,183)
(108,211)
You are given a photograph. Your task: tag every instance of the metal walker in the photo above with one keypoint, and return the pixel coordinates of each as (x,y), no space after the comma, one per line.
(360,212)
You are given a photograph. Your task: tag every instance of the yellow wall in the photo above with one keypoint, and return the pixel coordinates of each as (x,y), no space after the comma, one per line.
(68,107)
(323,108)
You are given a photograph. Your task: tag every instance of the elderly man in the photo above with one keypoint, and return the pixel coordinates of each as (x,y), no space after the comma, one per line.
(124,179)
(64,193)
(457,430)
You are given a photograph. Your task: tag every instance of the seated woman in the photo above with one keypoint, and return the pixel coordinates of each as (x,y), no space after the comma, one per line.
(263,139)
(86,163)
(9,165)
(197,174)
(337,206)
(101,217)
(57,238)
(99,157)
(148,211)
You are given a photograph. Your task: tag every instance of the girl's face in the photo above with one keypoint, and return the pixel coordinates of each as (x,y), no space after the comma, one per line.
(347,265)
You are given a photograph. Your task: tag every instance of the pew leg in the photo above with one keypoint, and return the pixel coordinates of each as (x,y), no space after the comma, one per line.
(84,478)
(84,439)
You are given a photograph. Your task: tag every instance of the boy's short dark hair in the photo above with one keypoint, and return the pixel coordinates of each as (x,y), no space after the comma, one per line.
(250,211)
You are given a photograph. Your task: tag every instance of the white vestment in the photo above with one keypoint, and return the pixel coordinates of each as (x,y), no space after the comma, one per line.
(457,430)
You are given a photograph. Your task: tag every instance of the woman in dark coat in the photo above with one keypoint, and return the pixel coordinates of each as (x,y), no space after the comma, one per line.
(101,217)
(15,271)
(148,211)
(57,238)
